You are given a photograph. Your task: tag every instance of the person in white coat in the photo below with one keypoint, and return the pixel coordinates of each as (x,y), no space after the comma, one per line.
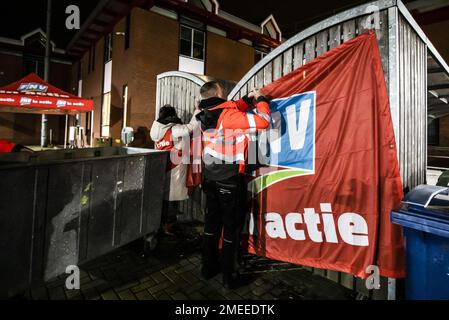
(169,133)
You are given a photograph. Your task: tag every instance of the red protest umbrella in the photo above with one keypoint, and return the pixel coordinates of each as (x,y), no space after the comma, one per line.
(32,94)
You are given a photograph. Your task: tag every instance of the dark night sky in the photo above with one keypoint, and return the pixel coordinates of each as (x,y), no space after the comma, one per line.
(20,17)
(292,16)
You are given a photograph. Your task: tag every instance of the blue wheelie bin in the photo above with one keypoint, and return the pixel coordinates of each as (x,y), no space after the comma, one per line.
(425,217)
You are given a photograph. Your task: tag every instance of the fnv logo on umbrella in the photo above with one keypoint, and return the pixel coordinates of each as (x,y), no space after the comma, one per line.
(289,144)
(25,101)
(32,87)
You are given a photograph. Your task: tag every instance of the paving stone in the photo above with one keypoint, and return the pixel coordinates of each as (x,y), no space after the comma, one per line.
(57,293)
(143,285)
(159,277)
(197,296)
(83,273)
(190,278)
(249,296)
(56,283)
(195,287)
(91,294)
(194,259)
(185,268)
(160,286)
(144,295)
(213,293)
(179,296)
(109,295)
(232,296)
(85,280)
(78,297)
(258,291)
(126,295)
(259,281)
(145,279)
(172,276)
(215,296)
(161,295)
(39,293)
(243,290)
(181,286)
(92,284)
(268,296)
(171,268)
(73,294)
(105,286)
(126,286)
(185,262)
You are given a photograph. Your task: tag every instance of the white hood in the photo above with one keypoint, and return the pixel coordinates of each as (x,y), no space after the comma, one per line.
(158,130)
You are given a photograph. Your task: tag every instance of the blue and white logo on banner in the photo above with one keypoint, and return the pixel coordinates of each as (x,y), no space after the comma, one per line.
(291,140)
(292,133)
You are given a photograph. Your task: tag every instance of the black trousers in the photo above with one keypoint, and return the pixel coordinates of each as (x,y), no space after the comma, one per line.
(169,211)
(225,216)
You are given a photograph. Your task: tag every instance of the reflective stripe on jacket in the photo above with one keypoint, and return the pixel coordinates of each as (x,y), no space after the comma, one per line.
(229,141)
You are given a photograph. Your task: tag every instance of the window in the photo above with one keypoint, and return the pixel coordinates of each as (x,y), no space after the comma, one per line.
(259,55)
(91,62)
(191,43)
(433,132)
(108,48)
(106,114)
(127,31)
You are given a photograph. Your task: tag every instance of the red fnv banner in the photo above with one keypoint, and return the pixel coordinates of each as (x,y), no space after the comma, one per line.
(333,179)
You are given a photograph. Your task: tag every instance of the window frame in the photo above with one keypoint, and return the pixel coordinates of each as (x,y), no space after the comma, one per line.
(192,42)
(435,134)
(108,47)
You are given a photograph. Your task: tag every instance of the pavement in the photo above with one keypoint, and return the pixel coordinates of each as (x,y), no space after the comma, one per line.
(172,272)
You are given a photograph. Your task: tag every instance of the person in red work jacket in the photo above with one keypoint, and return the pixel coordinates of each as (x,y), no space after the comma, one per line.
(226,126)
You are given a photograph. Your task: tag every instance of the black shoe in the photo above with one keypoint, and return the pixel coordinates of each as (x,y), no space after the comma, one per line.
(209,273)
(234,280)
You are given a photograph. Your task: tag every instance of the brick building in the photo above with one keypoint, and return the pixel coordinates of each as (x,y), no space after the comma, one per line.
(124,45)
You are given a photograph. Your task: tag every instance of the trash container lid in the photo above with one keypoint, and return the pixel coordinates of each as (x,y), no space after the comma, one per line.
(425,208)
(428,196)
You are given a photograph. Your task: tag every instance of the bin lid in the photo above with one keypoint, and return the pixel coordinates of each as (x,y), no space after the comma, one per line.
(425,196)
(425,208)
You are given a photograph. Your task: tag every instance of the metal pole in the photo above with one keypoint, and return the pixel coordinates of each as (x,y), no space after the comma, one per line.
(92,129)
(44,121)
(65,130)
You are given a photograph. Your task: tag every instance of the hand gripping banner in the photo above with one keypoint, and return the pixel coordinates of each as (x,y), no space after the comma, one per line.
(332,179)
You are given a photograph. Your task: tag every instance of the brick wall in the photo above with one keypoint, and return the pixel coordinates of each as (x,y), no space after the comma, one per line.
(227,59)
(154,49)
(155,41)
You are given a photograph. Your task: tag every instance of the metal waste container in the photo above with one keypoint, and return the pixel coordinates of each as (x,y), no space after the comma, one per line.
(425,218)
(66,207)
